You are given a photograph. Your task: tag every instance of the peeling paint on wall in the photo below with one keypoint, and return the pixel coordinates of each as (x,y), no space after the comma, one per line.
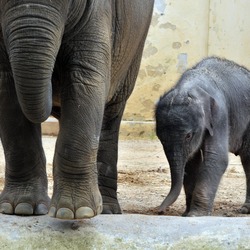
(149,50)
(176,45)
(167,26)
(159,6)
(182,62)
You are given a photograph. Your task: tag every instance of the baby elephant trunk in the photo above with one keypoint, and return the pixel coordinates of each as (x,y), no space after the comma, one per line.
(177,175)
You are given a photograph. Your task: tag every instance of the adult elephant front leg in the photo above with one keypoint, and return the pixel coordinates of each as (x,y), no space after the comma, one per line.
(25,188)
(85,69)
(76,194)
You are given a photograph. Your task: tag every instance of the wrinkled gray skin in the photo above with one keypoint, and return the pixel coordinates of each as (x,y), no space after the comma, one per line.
(77,60)
(198,121)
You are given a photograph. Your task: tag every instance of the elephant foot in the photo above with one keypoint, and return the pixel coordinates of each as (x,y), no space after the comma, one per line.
(25,199)
(24,209)
(245,209)
(71,201)
(185,214)
(110,201)
(197,213)
(111,206)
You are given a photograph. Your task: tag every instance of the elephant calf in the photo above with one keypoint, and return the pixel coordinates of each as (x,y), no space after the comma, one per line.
(205,116)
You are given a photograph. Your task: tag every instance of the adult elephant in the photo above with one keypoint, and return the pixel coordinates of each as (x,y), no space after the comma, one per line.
(77,60)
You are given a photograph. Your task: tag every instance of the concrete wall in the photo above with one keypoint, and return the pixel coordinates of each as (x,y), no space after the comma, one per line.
(229,30)
(181,34)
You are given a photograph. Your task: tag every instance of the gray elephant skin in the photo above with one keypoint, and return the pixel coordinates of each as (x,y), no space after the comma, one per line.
(77,60)
(202,118)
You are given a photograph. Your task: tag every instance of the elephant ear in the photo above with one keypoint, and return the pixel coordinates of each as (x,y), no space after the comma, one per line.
(209,109)
(209,115)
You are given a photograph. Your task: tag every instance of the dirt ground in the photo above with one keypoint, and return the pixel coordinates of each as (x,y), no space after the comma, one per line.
(144,179)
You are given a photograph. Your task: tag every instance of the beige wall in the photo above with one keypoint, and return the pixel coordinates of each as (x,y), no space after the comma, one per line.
(182,33)
(229,28)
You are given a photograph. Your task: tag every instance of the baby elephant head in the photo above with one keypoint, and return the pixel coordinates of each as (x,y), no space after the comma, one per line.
(182,121)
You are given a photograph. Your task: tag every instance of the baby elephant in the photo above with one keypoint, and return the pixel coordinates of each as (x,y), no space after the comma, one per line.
(206,115)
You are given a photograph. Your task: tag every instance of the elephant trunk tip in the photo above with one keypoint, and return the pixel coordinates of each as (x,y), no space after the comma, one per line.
(169,200)
(33,89)
(38,109)
(164,205)
(38,118)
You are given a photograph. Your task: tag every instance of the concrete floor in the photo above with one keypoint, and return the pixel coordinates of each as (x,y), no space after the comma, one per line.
(125,232)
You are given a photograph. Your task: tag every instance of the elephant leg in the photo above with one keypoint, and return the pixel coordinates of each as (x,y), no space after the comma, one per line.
(25,188)
(212,168)
(245,209)
(84,69)
(107,157)
(76,194)
(191,173)
(245,160)
(107,153)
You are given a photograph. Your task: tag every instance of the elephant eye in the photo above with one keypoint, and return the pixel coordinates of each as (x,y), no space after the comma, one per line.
(188,136)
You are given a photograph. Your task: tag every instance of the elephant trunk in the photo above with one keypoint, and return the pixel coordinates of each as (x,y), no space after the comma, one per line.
(177,167)
(32,35)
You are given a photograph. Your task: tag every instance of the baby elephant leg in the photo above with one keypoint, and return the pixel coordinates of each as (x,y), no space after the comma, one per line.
(207,182)
(245,159)
(191,172)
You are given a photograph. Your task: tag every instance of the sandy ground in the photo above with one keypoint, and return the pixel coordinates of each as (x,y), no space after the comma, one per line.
(144,179)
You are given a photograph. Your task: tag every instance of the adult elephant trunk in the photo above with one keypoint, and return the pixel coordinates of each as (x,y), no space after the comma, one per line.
(32,34)
(177,166)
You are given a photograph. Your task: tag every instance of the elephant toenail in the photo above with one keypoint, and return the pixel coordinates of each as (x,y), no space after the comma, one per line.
(6,208)
(41,209)
(24,209)
(65,213)
(84,212)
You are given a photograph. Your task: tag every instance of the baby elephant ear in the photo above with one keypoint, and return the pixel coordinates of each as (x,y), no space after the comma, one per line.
(210,109)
